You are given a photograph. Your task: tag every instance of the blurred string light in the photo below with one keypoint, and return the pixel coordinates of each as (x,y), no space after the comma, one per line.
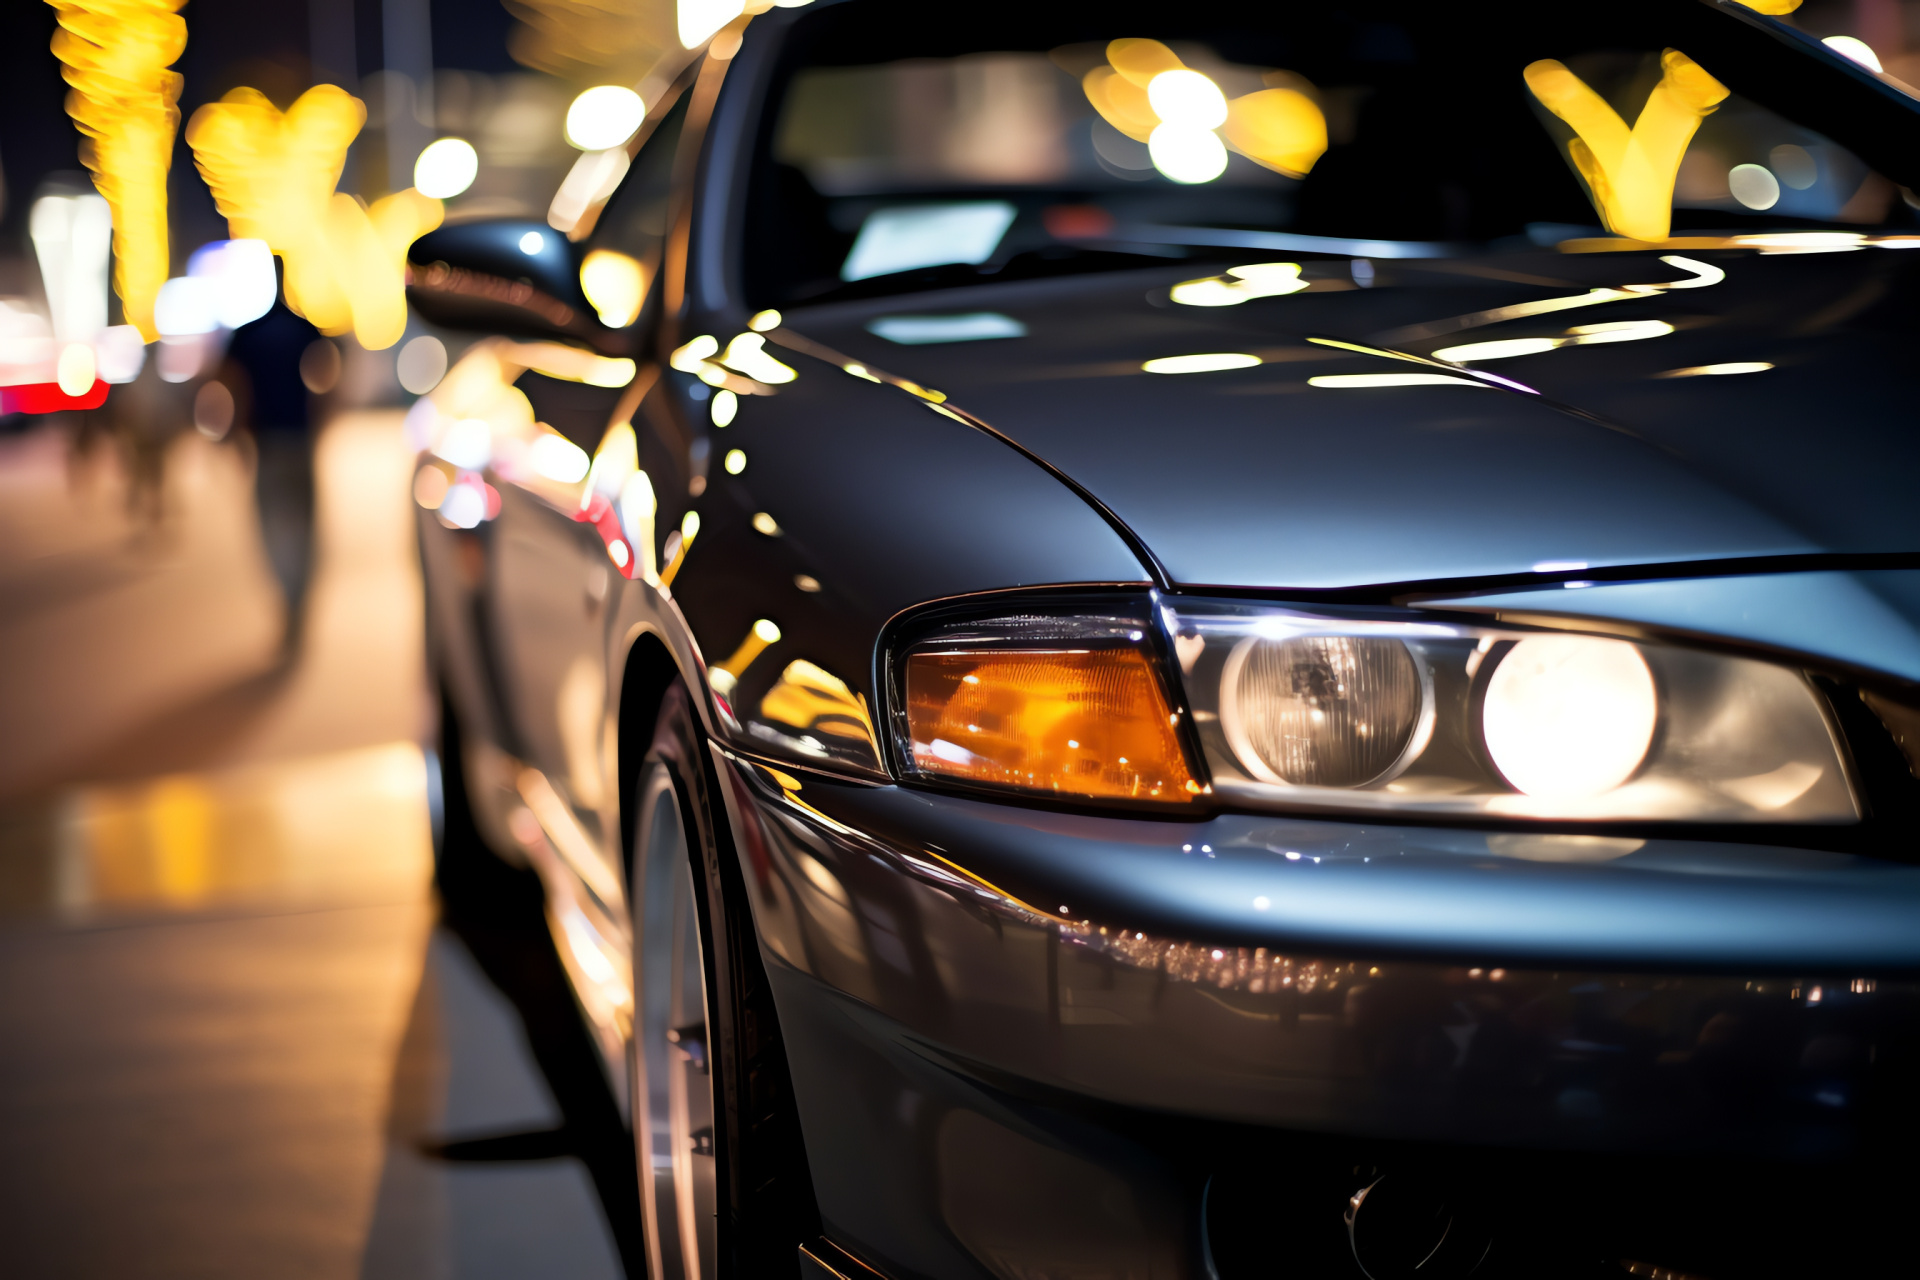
(446,168)
(273,174)
(115,55)
(1630,171)
(1146,92)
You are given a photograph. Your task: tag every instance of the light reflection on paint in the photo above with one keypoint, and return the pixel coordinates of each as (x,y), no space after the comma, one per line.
(1360,381)
(1209,362)
(1718,370)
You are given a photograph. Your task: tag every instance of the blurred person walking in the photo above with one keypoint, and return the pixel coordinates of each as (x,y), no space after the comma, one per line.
(283,363)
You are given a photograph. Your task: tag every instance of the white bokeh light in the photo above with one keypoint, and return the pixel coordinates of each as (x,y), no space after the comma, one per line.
(1187,153)
(1187,98)
(446,168)
(604,116)
(1569,716)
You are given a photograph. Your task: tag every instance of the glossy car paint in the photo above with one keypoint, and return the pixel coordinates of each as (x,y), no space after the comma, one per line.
(1023,1038)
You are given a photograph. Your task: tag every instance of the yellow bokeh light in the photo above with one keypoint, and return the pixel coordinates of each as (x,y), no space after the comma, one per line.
(115,54)
(273,174)
(1282,129)
(615,284)
(1630,172)
(1144,88)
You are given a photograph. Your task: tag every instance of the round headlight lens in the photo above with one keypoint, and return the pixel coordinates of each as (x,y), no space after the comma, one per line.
(1569,716)
(1322,711)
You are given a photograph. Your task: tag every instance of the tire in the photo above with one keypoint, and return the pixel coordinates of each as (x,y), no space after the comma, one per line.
(722,1170)
(463,861)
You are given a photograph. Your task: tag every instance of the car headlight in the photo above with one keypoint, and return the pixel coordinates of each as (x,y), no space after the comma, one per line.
(1365,710)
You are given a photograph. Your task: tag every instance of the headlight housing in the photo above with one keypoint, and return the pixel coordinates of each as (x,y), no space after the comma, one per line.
(1376,711)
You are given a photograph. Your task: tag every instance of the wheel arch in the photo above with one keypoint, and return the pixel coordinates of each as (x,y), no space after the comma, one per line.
(646,673)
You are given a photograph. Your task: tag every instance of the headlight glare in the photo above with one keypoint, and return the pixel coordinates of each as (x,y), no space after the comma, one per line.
(1569,716)
(1322,710)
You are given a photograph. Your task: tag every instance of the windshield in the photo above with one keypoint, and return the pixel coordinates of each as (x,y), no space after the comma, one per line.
(1006,141)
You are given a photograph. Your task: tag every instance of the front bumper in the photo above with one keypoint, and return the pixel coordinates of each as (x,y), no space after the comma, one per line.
(1025,1043)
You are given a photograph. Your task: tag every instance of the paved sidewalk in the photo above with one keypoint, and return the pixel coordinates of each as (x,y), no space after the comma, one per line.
(233,1040)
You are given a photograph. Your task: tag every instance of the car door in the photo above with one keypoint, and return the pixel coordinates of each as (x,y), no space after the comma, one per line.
(552,573)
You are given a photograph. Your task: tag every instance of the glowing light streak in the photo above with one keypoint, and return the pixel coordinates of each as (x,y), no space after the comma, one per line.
(273,175)
(115,55)
(1630,172)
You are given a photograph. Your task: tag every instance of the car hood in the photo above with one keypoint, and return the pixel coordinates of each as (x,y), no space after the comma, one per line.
(1602,455)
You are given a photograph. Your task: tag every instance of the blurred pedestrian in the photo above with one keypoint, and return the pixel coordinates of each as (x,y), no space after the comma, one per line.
(280,359)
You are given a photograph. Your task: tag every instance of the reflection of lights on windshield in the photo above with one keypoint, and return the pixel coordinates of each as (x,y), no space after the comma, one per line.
(604,116)
(735,462)
(446,168)
(807,582)
(615,284)
(1754,186)
(1718,370)
(763,321)
(1187,98)
(1208,362)
(1855,49)
(725,405)
(1362,380)
(1186,154)
(766,524)
(532,243)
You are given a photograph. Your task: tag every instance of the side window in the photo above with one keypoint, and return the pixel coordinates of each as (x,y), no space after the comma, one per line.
(636,220)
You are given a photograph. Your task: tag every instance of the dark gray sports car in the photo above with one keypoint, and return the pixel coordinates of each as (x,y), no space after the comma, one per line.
(1255,641)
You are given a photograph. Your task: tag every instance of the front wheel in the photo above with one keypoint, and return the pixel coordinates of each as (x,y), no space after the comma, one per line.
(723,1181)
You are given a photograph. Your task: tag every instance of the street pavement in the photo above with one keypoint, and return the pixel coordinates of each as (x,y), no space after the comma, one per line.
(240,1035)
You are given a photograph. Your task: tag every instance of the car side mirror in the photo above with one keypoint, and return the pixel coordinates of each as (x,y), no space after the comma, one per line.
(509,276)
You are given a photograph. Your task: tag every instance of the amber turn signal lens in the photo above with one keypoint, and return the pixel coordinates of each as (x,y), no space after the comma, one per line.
(1080,722)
